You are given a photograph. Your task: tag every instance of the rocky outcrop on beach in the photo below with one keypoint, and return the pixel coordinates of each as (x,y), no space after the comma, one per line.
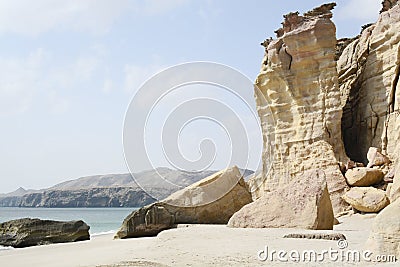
(32,232)
(368,70)
(212,200)
(298,83)
(331,105)
(303,203)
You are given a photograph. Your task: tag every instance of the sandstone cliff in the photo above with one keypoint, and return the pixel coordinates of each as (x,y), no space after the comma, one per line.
(299,81)
(333,105)
(368,72)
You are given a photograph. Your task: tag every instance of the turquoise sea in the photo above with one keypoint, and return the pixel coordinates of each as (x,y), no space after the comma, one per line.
(100,220)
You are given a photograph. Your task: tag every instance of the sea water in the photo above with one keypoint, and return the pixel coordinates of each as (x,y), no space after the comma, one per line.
(100,220)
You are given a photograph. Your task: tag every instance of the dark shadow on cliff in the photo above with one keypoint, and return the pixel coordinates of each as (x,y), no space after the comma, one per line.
(365,112)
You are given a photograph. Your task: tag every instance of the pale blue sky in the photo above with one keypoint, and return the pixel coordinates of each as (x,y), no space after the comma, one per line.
(68,70)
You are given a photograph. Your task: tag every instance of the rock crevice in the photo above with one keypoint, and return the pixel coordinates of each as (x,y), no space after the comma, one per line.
(392,95)
(368,71)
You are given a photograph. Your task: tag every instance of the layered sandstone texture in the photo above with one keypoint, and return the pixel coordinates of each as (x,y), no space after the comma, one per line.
(299,104)
(303,203)
(212,200)
(368,72)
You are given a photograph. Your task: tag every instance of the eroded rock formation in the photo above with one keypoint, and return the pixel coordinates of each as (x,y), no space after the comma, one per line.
(212,200)
(303,203)
(32,232)
(388,4)
(368,72)
(299,83)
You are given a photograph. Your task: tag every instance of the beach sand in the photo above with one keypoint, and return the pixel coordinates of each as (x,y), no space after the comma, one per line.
(192,245)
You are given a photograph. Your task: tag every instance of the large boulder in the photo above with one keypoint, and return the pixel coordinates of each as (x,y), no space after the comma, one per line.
(146,221)
(384,238)
(363,176)
(366,199)
(212,200)
(303,203)
(31,232)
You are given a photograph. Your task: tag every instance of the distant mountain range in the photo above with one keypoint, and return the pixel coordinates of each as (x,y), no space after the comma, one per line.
(111,190)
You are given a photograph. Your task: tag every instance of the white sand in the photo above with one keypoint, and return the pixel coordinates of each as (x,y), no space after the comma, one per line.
(195,245)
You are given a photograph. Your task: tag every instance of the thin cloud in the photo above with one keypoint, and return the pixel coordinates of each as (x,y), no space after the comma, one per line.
(31,18)
(136,75)
(366,10)
(19,80)
(34,80)
(57,103)
(108,86)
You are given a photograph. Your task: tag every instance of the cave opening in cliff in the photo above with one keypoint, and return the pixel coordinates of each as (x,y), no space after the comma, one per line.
(352,127)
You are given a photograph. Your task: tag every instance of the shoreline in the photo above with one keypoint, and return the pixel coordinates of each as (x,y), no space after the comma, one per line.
(100,220)
(191,245)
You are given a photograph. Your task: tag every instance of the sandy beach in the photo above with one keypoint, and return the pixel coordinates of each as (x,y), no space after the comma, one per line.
(193,245)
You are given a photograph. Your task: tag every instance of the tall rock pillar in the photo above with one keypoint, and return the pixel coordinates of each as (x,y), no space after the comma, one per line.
(299,83)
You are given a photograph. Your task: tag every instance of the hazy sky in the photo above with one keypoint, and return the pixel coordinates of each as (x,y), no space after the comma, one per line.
(68,70)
